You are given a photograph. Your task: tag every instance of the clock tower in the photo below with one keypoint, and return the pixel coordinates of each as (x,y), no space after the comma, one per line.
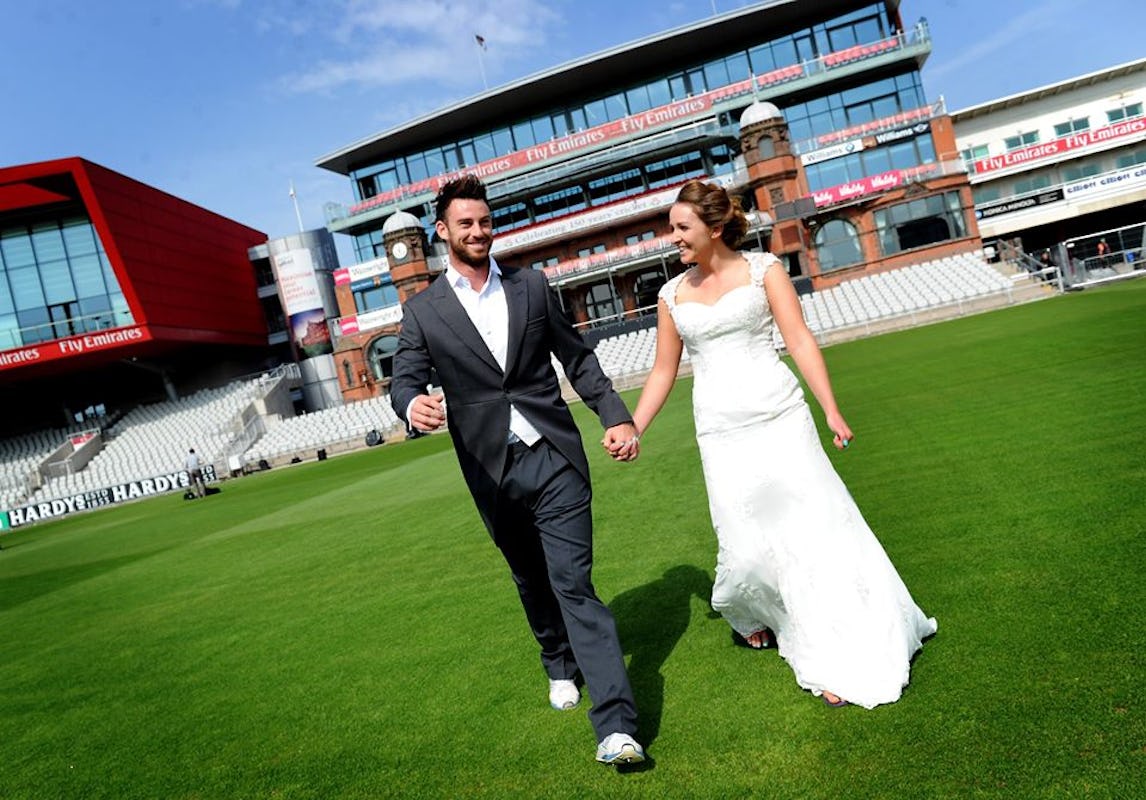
(404,240)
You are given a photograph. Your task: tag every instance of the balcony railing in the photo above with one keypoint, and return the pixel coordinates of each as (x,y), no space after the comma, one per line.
(870,185)
(873,128)
(32,335)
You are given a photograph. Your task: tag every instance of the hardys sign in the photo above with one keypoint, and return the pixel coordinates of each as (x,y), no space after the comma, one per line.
(97,498)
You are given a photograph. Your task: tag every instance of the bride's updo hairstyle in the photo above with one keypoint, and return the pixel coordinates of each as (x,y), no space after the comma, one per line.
(715,207)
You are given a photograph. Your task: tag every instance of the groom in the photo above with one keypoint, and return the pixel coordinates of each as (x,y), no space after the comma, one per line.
(489,333)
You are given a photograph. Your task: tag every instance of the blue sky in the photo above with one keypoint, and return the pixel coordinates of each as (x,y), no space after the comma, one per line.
(225,102)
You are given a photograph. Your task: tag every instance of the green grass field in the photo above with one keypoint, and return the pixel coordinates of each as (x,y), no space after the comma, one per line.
(346,629)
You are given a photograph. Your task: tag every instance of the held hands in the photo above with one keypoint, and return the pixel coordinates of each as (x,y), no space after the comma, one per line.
(843,434)
(621,442)
(428,412)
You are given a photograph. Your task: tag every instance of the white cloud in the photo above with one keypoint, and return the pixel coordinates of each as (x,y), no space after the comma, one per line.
(386,44)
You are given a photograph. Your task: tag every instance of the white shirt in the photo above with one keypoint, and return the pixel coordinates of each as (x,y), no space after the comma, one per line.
(489,312)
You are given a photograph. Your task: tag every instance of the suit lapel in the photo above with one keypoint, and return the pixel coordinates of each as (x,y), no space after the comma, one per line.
(449,308)
(517,306)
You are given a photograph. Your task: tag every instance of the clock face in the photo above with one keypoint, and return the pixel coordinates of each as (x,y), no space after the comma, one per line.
(399,250)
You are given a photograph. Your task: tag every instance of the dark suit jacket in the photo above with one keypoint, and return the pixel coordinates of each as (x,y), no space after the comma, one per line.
(437,333)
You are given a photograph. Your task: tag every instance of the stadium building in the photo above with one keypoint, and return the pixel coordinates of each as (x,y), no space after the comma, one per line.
(135,325)
(112,291)
(1063,167)
(813,112)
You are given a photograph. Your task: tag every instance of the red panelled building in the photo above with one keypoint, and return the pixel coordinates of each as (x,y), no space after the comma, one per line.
(113,289)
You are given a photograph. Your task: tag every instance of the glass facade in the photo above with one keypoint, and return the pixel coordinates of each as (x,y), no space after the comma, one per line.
(864,26)
(56,281)
(710,154)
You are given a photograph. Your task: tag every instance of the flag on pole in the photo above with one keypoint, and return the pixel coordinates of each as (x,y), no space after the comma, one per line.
(480,41)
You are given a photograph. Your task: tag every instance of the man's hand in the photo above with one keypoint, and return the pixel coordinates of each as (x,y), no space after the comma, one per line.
(428,412)
(621,442)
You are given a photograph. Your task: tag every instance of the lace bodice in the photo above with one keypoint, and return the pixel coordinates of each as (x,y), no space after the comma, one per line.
(738,377)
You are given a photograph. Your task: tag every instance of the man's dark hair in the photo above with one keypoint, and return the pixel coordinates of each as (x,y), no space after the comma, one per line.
(467,187)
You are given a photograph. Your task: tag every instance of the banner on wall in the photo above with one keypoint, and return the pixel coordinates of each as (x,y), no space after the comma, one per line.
(97,498)
(302,302)
(390,315)
(1019,204)
(1118,133)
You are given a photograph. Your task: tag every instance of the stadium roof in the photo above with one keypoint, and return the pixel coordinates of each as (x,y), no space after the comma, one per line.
(649,56)
(1050,90)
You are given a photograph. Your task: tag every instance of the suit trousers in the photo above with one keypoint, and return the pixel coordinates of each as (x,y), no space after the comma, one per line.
(544,529)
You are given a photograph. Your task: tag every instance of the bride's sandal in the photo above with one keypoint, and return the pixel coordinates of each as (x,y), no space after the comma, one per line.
(762,639)
(838,703)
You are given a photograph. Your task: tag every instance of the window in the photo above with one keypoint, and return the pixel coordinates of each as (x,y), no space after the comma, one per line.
(556,204)
(585,252)
(1022,140)
(1074,126)
(716,73)
(985,194)
(382,352)
(638,99)
(600,302)
(1078,172)
(1032,184)
(375,297)
(511,217)
(542,263)
(1131,159)
(838,245)
(974,153)
(55,280)
(921,222)
(675,170)
(640,237)
(522,136)
(1125,112)
(613,187)
(468,153)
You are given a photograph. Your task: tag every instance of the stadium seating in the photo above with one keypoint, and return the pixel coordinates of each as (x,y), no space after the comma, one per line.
(947,281)
(20,456)
(154,439)
(309,432)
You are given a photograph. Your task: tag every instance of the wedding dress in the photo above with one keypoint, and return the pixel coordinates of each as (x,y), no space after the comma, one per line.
(795,554)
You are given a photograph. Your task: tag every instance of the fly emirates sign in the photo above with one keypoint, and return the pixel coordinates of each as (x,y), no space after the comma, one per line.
(73,346)
(1111,134)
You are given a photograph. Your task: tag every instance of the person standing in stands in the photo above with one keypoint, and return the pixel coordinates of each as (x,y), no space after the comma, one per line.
(195,473)
(490,332)
(1103,251)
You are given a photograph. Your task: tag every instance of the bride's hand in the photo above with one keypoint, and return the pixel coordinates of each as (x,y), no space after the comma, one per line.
(843,434)
(621,442)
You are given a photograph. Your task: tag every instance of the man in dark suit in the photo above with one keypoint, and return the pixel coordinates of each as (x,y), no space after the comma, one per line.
(489,333)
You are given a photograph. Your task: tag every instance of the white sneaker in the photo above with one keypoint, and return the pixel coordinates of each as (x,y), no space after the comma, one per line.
(620,748)
(563,695)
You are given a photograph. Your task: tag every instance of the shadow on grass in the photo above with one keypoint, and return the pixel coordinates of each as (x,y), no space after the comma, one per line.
(18,589)
(650,621)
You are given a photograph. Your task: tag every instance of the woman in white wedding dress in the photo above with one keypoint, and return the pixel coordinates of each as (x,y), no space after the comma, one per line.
(795,557)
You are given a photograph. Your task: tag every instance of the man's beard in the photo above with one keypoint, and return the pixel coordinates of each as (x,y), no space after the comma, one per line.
(462,255)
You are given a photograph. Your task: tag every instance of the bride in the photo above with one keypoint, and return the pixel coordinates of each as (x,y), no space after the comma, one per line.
(796,560)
